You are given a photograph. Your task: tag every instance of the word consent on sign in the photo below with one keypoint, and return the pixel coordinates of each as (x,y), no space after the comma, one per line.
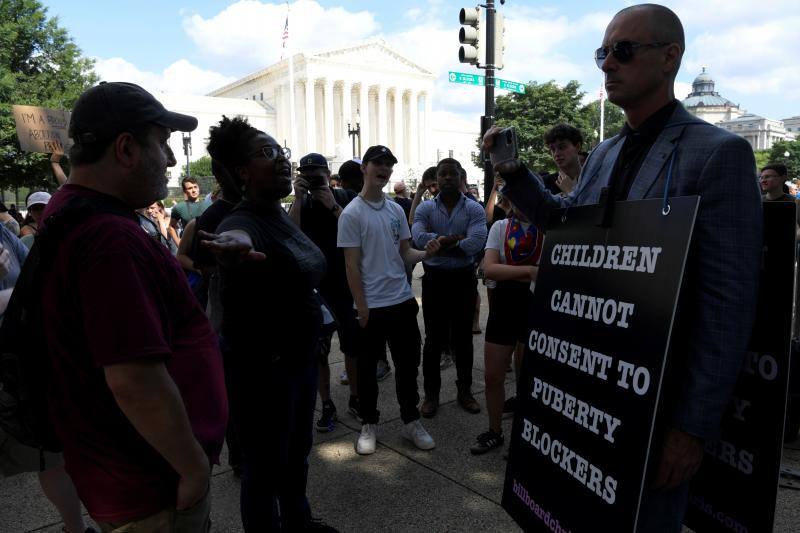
(42,130)
(597,341)
(737,484)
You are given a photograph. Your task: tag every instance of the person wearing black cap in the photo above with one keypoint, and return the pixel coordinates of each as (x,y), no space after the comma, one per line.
(375,237)
(137,394)
(316,210)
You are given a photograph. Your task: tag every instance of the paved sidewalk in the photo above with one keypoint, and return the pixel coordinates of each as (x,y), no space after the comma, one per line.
(398,489)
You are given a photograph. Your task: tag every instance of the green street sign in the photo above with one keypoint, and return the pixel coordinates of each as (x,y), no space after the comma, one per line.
(468,79)
(513,86)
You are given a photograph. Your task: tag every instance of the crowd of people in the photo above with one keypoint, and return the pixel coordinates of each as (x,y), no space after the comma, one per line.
(225,309)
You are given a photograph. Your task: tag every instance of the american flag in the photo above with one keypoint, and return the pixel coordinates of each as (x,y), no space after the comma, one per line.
(285,34)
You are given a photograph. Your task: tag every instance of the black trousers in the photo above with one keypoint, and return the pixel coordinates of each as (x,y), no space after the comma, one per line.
(448,305)
(397,325)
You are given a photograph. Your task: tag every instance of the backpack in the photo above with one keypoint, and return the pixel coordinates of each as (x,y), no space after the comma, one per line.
(24,359)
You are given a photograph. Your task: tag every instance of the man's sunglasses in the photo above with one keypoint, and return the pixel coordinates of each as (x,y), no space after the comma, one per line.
(271,152)
(623,51)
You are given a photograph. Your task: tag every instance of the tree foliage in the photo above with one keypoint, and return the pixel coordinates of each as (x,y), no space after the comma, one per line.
(542,106)
(201,167)
(762,158)
(778,155)
(39,65)
(614,120)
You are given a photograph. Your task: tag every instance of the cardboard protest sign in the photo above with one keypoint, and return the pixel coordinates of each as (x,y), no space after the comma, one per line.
(737,484)
(599,330)
(42,130)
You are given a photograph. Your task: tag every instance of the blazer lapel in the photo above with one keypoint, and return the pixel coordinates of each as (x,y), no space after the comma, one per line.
(658,156)
(601,177)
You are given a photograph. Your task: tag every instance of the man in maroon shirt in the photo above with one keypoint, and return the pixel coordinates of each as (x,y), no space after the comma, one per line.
(137,394)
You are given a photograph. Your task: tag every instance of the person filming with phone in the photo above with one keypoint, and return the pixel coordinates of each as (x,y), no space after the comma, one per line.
(662,143)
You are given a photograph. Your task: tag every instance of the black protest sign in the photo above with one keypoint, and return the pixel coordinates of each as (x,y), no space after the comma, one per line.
(736,486)
(42,130)
(599,330)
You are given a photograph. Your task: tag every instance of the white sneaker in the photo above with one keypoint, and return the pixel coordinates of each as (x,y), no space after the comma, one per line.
(365,445)
(414,432)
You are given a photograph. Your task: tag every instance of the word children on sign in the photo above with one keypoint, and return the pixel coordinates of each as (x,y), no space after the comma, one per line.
(598,336)
(42,130)
(736,486)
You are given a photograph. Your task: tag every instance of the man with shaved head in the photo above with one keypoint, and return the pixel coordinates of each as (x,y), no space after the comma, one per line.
(661,147)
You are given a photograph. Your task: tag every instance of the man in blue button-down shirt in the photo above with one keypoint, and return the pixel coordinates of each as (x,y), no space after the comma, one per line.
(449,287)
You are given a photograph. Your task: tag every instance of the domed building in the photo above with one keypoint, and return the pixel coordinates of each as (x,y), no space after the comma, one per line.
(707,104)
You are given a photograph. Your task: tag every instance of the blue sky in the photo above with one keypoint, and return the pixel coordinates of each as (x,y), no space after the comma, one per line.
(181,46)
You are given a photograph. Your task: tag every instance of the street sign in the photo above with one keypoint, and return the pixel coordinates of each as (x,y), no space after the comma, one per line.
(513,86)
(477,79)
(469,79)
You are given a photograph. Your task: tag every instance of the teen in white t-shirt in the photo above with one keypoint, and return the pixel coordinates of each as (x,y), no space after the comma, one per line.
(374,235)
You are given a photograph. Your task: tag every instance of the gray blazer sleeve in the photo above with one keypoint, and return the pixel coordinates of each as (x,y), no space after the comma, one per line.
(721,293)
(527,192)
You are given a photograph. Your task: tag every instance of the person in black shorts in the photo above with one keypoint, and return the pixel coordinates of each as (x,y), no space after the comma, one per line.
(512,254)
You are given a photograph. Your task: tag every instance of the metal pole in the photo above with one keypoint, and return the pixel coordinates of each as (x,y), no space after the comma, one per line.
(488,120)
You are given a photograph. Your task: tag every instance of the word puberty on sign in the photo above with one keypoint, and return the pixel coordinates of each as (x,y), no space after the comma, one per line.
(596,346)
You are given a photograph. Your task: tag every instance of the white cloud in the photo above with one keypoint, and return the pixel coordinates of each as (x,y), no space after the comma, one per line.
(249,33)
(749,58)
(179,77)
(682,90)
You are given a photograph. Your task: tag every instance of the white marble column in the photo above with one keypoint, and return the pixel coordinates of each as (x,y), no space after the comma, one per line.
(280,127)
(311,130)
(347,116)
(413,128)
(427,139)
(382,117)
(363,111)
(398,124)
(328,97)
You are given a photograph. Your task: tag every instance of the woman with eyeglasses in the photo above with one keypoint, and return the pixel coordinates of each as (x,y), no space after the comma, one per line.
(269,271)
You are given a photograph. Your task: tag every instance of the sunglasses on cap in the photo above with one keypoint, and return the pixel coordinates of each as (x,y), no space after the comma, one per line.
(623,51)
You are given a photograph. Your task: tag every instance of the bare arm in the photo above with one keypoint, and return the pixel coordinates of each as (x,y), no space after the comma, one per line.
(300,192)
(412,257)
(185,247)
(150,400)
(491,202)
(352,263)
(495,270)
(55,167)
(415,202)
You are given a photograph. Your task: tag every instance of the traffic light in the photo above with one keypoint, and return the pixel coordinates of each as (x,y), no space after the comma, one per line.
(472,35)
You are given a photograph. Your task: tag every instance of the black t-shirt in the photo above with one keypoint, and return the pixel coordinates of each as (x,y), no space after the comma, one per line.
(405,203)
(637,144)
(270,307)
(208,221)
(321,226)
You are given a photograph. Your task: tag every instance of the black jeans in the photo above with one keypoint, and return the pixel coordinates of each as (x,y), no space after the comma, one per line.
(397,325)
(448,304)
(274,415)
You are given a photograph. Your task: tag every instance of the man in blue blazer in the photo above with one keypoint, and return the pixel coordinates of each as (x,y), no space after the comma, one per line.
(640,56)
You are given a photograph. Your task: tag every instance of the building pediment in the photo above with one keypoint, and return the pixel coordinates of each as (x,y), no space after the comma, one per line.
(374,56)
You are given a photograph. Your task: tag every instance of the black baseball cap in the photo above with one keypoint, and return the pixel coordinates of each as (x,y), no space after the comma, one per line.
(378,151)
(111,108)
(312,160)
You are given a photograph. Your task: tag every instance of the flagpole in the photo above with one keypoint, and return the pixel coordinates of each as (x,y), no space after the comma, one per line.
(292,121)
(602,113)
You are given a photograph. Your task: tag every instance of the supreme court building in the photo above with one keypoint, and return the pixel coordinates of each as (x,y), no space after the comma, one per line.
(329,101)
